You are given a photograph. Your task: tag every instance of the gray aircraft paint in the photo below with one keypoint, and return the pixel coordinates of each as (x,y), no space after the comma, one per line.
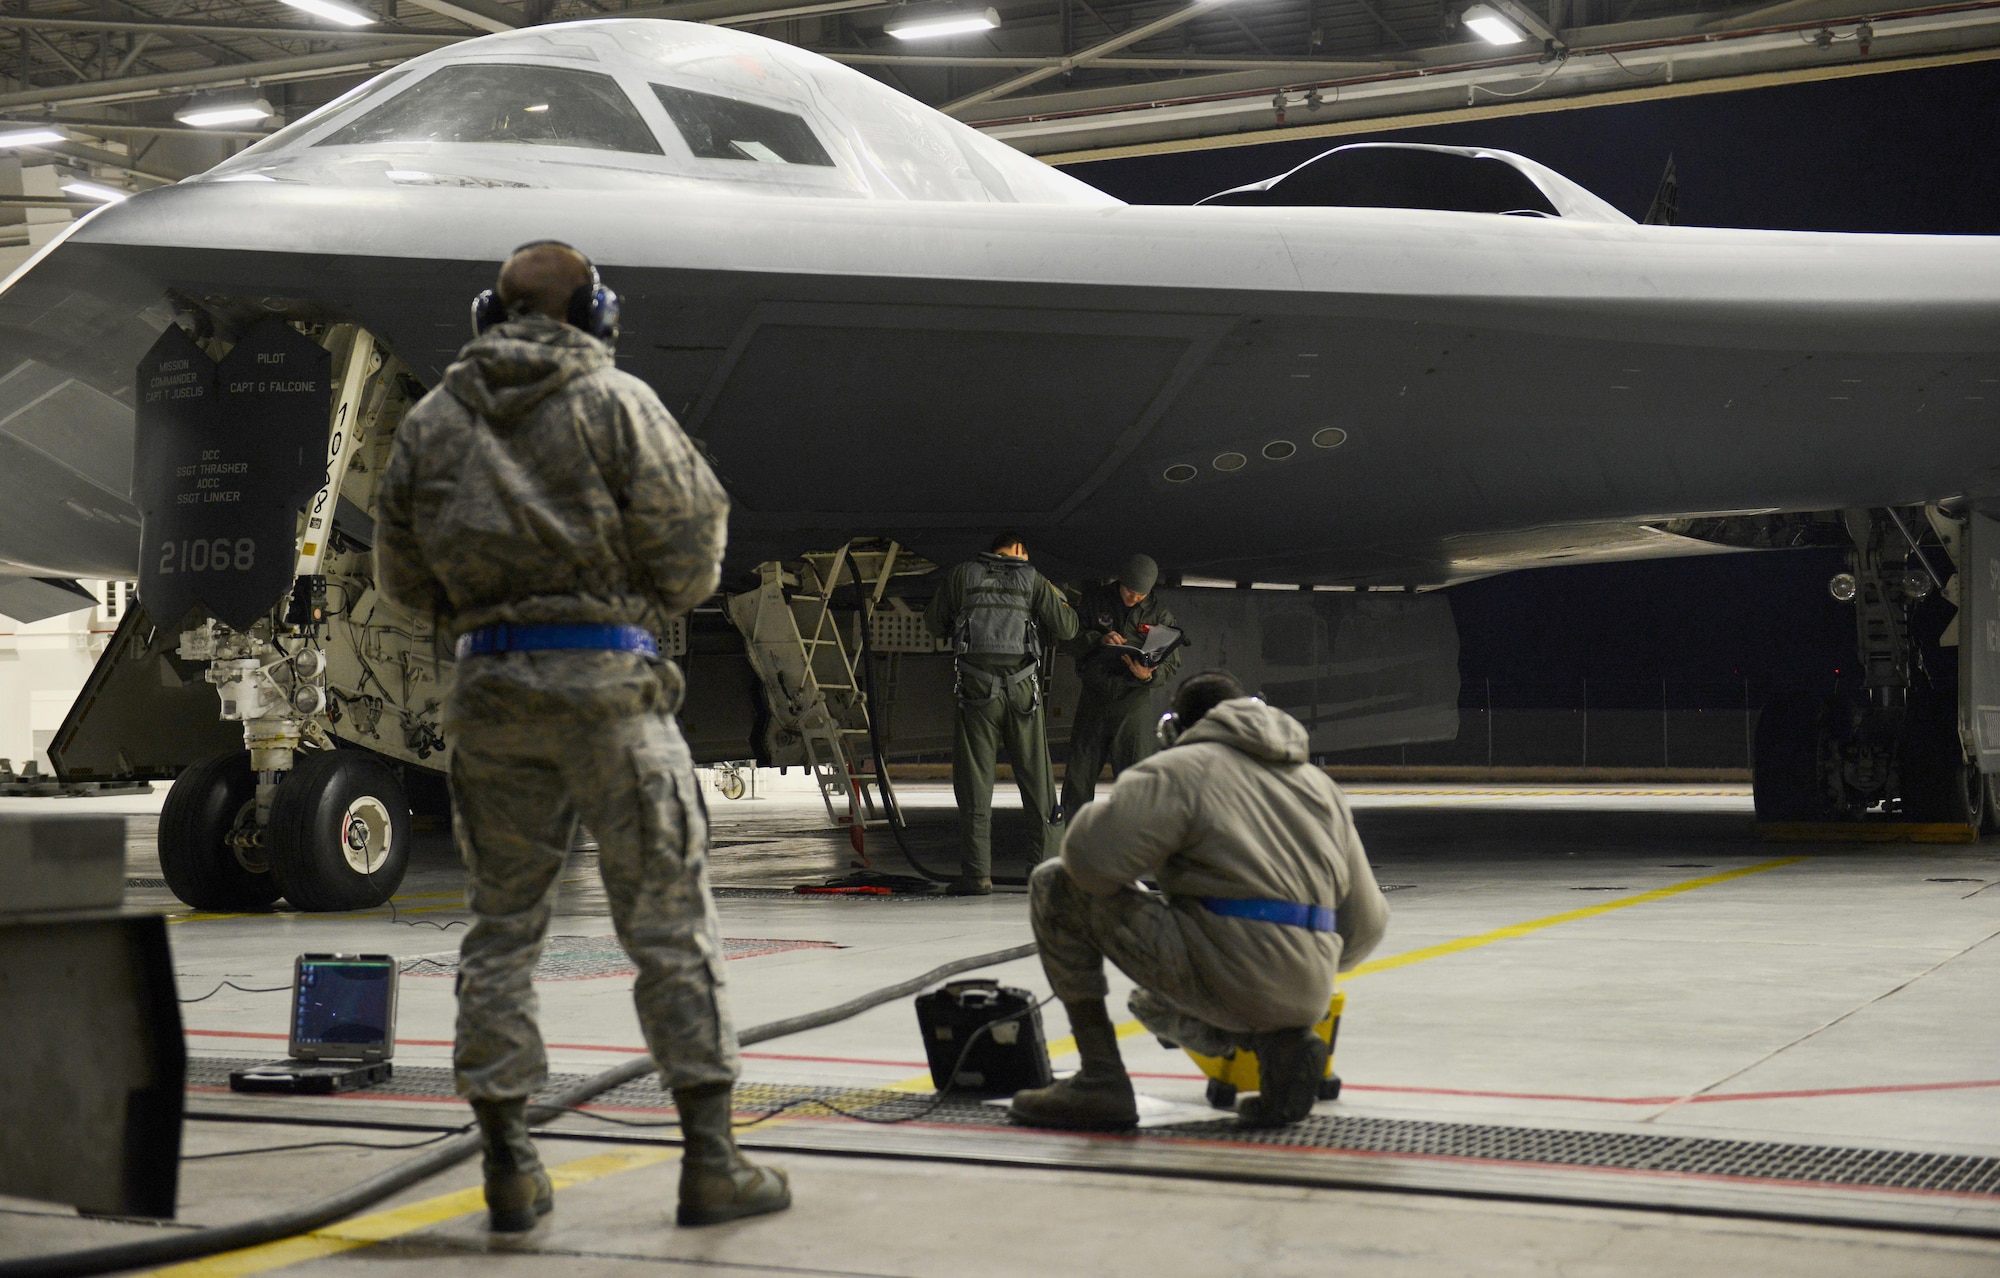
(865,351)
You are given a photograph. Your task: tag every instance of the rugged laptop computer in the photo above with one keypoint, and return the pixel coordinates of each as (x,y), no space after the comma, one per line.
(343,1027)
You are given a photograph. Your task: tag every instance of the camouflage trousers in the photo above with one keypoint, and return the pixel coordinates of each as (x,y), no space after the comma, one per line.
(1138,932)
(518,790)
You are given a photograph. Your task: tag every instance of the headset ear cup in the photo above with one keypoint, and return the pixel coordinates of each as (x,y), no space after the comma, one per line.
(604,318)
(486,312)
(594,309)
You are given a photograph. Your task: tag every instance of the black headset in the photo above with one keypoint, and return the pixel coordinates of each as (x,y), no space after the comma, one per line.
(592,307)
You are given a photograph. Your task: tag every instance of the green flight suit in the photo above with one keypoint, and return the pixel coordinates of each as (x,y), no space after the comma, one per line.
(1000,702)
(1115,716)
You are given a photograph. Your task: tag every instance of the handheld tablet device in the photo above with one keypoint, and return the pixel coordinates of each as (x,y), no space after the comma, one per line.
(1155,642)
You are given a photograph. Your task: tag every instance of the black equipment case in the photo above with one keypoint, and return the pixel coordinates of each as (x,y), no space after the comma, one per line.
(1011,1055)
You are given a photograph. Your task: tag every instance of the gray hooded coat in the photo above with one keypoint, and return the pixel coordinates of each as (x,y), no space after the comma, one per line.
(540,485)
(1234,809)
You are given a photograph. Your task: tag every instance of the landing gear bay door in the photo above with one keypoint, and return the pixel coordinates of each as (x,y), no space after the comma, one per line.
(1979,640)
(226,455)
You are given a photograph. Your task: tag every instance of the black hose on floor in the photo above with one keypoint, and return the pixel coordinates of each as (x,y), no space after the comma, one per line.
(303,1219)
(890,808)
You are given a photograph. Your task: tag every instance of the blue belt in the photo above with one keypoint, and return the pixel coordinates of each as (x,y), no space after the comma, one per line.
(1315,918)
(491,639)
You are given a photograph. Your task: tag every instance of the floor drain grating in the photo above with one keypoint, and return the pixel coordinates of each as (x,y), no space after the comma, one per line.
(1532,1146)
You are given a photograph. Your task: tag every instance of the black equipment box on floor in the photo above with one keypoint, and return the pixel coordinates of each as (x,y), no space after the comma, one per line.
(1011,1055)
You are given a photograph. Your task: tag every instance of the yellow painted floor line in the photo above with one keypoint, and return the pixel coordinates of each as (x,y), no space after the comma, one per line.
(459,904)
(1513,931)
(364,1231)
(1066,1046)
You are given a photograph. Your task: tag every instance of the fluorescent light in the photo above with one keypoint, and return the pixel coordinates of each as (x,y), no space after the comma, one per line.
(30,137)
(213,115)
(931,24)
(1491,26)
(406,175)
(333,11)
(92,191)
(537,108)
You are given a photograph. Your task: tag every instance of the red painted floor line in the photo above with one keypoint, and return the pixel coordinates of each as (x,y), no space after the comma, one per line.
(1705,1099)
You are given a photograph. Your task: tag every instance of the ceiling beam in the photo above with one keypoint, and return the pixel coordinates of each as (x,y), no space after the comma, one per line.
(113,129)
(1083,57)
(1286,66)
(25,22)
(1368,7)
(175,83)
(486,15)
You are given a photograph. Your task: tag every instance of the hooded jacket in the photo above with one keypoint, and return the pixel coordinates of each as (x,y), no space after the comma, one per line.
(541,485)
(538,484)
(1235,809)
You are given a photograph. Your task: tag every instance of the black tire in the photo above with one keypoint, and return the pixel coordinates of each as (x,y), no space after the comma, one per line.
(195,857)
(1221,1094)
(1938,786)
(1329,1087)
(331,797)
(1991,825)
(1787,778)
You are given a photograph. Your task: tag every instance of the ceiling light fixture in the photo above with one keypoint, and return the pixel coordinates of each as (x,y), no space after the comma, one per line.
(92,191)
(1490,25)
(30,137)
(928,22)
(333,11)
(211,114)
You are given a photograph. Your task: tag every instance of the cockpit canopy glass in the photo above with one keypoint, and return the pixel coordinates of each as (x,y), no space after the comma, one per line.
(525,105)
(719,128)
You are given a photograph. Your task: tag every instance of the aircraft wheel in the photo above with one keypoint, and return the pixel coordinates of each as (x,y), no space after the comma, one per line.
(340,832)
(1991,825)
(1937,784)
(1221,1094)
(1787,781)
(206,802)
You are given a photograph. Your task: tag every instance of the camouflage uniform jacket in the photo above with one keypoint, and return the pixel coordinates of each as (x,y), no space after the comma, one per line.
(1102,611)
(538,484)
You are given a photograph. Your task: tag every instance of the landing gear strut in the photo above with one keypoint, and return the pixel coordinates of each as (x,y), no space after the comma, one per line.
(1895,743)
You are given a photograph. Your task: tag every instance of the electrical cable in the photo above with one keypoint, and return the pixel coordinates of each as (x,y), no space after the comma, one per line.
(313,1215)
(245,989)
(937,1099)
(324,1144)
(890,808)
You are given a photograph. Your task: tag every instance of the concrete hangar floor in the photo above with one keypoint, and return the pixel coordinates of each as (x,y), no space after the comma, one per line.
(1604,1020)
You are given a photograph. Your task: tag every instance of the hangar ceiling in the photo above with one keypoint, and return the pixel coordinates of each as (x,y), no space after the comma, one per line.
(1063,79)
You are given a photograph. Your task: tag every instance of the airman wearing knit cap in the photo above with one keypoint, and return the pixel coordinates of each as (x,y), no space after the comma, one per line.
(1115,715)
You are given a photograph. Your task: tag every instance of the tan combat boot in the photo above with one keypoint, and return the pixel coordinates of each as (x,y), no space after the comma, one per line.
(717,1182)
(517,1189)
(1098,1097)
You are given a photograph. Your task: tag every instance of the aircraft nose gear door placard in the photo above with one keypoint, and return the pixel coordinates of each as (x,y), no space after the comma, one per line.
(226,456)
(1979,638)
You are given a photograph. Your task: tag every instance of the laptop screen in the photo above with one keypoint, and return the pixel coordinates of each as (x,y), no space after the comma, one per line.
(344,1007)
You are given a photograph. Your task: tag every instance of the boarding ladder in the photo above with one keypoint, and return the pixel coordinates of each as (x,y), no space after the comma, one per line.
(808,666)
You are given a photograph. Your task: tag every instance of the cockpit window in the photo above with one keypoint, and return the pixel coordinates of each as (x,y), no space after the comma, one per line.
(528,106)
(719,128)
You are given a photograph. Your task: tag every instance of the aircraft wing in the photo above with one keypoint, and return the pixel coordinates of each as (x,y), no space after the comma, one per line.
(1372,396)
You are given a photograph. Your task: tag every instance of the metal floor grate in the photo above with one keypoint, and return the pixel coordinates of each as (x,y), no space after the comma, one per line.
(1532,1146)
(582,958)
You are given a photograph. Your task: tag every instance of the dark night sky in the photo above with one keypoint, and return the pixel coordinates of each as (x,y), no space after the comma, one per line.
(1915,152)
